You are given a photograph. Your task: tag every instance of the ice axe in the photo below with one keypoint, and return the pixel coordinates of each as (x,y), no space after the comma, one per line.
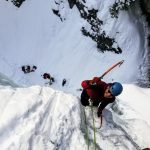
(111,68)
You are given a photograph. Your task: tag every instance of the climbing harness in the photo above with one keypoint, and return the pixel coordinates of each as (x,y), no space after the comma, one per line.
(91,105)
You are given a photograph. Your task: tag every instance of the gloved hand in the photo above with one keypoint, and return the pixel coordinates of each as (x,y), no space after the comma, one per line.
(99,113)
(96,79)
(92,85)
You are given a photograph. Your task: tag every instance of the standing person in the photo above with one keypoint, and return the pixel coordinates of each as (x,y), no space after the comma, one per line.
(64,82)
(33,68)
(23,69)
(99,93)
(52,79)
(48,76)
(28,69)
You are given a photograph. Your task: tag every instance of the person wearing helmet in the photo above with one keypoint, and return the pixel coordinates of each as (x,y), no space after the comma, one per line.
(99,93)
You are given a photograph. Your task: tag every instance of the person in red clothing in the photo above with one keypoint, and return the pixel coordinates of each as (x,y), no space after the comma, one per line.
(48,76)
(99,93)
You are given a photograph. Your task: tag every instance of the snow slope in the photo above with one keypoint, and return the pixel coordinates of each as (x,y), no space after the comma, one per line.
(32,118)
(42,118)
(37,36)
(39,117)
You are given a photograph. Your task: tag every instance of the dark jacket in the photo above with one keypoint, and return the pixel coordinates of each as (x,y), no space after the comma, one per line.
(95,89)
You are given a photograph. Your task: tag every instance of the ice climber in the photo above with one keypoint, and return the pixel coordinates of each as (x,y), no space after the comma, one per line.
(99,93)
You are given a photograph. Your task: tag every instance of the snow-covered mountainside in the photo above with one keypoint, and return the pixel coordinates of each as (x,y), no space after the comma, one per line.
(42,118)
(49,35)
(73,40)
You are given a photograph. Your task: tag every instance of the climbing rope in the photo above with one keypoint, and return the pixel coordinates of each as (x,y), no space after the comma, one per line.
(91,105)
(87,132)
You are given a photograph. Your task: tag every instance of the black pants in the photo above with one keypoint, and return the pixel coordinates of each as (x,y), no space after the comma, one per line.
(85,99)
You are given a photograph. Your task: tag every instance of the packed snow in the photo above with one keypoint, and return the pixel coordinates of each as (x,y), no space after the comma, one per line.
(42,118)
(35,115)
(40,38)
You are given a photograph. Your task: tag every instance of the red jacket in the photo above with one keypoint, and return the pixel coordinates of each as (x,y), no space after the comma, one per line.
(95,90)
